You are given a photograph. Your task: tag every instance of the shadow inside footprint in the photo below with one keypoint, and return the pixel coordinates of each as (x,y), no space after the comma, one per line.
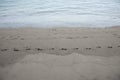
(88,48)
(63,49)
(110,47)
(118,45)
(98,47)
(4,49)
(16,49)
(114,34)
(69,38)
(27,49)
(85,36)
(39,49)
(75,48)
(22,39)
(52,49)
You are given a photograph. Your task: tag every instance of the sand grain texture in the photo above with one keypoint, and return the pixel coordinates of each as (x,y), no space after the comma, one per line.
(60,53)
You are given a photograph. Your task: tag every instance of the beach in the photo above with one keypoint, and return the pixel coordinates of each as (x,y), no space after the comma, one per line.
(60,53)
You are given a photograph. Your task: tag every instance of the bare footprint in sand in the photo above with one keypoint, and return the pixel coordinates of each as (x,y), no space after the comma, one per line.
(85,36)
(69,37)
(27,49)
(88,48)
(16,49)
(18,36)
(52,49)
(63,49)
(39,49)
(98,47)
(118,45)
(4,50)
(22,39)
(75,48)
(110,47)
(14,38)
(114,34)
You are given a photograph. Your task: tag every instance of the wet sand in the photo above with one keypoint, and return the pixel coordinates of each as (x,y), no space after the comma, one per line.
(60,53)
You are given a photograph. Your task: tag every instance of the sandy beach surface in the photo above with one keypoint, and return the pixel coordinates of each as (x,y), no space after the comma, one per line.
(60,53)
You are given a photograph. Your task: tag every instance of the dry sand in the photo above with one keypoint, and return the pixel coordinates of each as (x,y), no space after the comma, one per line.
(60,53)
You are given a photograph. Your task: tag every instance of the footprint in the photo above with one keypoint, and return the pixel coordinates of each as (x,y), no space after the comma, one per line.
(22,39)
(18,36)
(53,29)
(39,49)
(85,36)
(16,49)
(27,49)
(114,34)
(110,47)
(69,37)
(14,38)
(63,49)
(52,49)
(76,48)
(98,47)
(4,49)
(88,48)
(118,45)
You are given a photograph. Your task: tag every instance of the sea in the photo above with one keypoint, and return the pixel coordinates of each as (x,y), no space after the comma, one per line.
(59,13)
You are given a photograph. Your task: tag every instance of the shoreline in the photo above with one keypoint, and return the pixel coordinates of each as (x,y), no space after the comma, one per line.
(44,27)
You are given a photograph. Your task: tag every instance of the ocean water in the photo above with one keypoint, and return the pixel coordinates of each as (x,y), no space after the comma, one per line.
(59,13)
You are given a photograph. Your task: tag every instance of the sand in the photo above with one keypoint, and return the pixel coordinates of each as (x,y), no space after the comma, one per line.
(60,53)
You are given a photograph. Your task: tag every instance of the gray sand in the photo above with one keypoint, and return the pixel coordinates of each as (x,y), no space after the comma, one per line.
(60,54)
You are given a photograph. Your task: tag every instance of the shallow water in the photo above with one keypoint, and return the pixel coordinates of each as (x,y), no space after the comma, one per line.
(47,13)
